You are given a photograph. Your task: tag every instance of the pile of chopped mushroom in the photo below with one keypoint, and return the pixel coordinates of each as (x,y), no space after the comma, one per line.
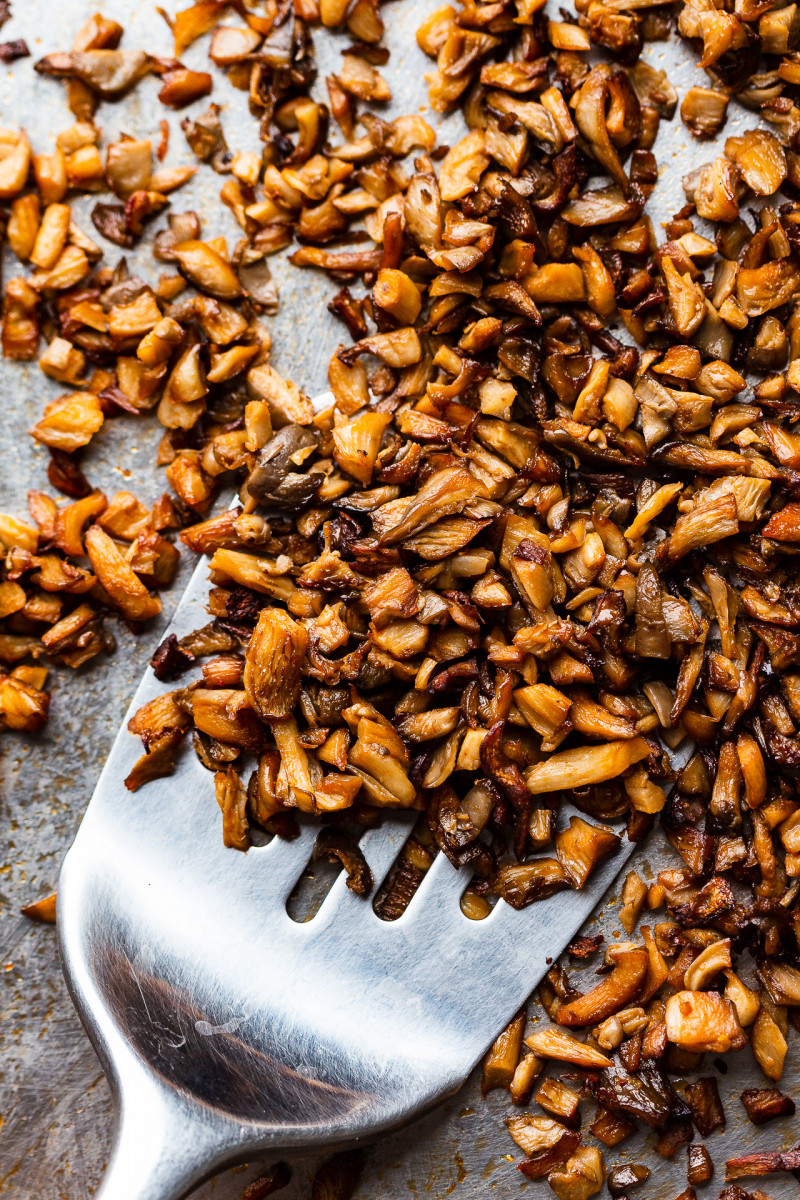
(518,558)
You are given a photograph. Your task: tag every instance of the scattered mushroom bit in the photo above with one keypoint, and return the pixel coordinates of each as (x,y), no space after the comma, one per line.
(516,556)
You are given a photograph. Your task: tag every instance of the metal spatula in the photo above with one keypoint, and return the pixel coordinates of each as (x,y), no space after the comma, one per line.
(228,1029)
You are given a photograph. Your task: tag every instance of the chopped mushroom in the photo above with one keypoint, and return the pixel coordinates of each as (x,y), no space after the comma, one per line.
(615,991)
(501,1062)
(582,1176)
(41,910)
(703,1021)
(763,1163)
(554,1043)
(766,1104)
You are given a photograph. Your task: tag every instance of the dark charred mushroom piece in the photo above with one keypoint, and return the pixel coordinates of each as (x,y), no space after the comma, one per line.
(11,51)
(539,1165)
(521,884)
(702,1096)
(273,480)
(766,1104)
(508,777)
(766,1162)
(570,170)
(455,824)
(646,1096)
(335,845)
(273,1180)
(170,661)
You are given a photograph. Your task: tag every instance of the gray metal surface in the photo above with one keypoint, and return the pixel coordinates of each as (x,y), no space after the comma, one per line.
(54,1102)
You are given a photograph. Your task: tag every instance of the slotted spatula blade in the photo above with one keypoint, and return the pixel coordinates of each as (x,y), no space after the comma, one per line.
(228,1029)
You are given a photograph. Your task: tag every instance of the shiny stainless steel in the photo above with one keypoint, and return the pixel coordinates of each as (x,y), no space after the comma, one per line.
(226,1027)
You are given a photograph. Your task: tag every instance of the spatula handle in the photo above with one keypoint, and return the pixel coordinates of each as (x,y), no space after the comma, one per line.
(160,1153)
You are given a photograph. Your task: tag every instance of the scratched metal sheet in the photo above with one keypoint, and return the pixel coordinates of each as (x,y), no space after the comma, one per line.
(54,1102)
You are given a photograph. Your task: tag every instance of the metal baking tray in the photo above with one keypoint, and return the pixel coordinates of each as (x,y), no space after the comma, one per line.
(54,1102)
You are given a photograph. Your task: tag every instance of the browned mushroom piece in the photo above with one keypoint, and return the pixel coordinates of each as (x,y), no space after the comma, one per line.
(273,1180)
(703,110)
(625,1178)
(630,965)
(766,1104)
(581,1176)
(547,1143)
(763,1162)
(703,1099)
(41,910)
(501,1062)
(335,845)
(700,1168)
